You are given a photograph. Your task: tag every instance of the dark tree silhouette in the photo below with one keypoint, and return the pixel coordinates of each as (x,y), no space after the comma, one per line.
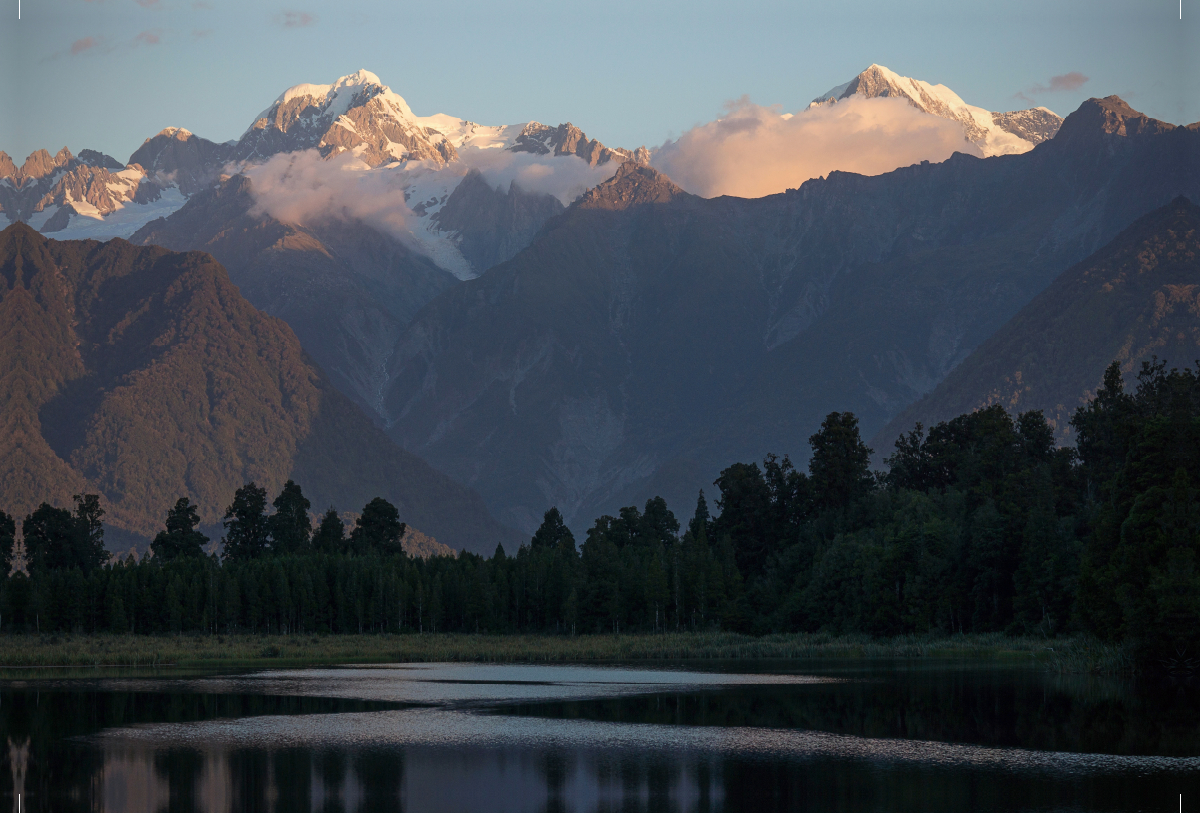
(840,467)
(181,537)
(330,536)
(246,532)
(378,529)
(290,525)
(8,534)
(553,532)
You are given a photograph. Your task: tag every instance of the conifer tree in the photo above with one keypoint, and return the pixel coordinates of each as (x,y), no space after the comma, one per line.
(246,532)
(840,466)
(290,526)
(378,529)
(8,534)
(89,550)
(553,533)
(180,539)
(330,536)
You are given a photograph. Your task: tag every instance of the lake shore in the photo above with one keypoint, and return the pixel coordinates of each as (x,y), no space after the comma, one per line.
(17,652)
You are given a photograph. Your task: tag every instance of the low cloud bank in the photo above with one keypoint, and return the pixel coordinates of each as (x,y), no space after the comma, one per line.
(307,190)
(304,189)
(755,151)
(564,177)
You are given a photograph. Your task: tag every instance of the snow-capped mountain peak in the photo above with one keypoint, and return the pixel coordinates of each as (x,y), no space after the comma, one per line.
(993,133)
(356,112)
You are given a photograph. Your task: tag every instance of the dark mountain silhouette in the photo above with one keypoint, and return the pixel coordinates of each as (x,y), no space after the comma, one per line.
(647,337)
(143,375)
(1135,298)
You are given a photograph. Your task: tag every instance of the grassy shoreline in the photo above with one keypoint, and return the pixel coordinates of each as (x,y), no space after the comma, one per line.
(18,652)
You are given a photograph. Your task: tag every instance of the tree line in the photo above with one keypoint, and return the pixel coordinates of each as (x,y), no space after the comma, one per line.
(980,524)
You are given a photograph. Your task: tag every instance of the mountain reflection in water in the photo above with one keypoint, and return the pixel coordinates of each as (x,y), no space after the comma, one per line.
(490,738)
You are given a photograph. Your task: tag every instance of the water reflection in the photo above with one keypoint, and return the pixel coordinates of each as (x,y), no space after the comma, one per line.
(492,739)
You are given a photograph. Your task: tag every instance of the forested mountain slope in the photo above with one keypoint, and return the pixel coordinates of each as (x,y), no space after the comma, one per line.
(1136,298)
(143,375)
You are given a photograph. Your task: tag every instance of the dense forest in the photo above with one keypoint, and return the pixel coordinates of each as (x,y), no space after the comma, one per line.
(980,524)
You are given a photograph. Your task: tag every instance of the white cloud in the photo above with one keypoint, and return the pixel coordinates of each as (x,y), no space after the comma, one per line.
(304,189)
(754,151)
(564,177)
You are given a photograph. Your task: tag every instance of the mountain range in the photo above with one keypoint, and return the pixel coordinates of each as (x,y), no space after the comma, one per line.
(358,114)
(647,337)
(592,342)
(143,375)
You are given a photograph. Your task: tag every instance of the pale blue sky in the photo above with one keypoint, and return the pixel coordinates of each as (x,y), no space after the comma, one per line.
(628,73)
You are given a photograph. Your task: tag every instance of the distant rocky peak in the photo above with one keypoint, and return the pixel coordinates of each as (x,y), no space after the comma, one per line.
(39,164)
(633,185)
(567,139)
(7,167)
(95,158)
(1108,116)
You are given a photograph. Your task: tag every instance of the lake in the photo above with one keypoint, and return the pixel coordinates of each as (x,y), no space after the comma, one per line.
(727,736)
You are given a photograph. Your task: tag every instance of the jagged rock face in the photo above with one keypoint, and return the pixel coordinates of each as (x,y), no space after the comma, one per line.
(648,338)
(94,158)
(567,139)
(345,289)
(1034,125)
(178,157)
(992,133)
(142,375)
(7,167)
(74,185)
(1136,298)
(356,113)
(40,164)
(490,226)
(633,185)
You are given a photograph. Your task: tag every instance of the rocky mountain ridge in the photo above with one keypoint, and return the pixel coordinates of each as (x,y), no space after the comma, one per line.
(1134,299)
(993,133)
(647,338)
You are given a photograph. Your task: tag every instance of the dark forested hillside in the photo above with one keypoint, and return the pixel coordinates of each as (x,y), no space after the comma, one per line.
(347,290)
(1137,297)
(647,338)
(142,375)
(980,525)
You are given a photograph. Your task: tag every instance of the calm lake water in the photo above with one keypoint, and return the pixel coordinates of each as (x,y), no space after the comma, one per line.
(714,737)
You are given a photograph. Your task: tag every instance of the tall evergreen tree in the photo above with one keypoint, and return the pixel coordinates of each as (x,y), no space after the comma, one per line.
(8,535)
(378,529)
(553,533)
(659,526)
(180,539)
(698,526)
(290,525)
(49,534)
(246,532)
(330,536)
(56,539)
(840,467)
(745,517)
(90,552)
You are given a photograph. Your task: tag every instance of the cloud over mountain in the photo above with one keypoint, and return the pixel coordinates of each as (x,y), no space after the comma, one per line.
(755,151)
(305,189)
